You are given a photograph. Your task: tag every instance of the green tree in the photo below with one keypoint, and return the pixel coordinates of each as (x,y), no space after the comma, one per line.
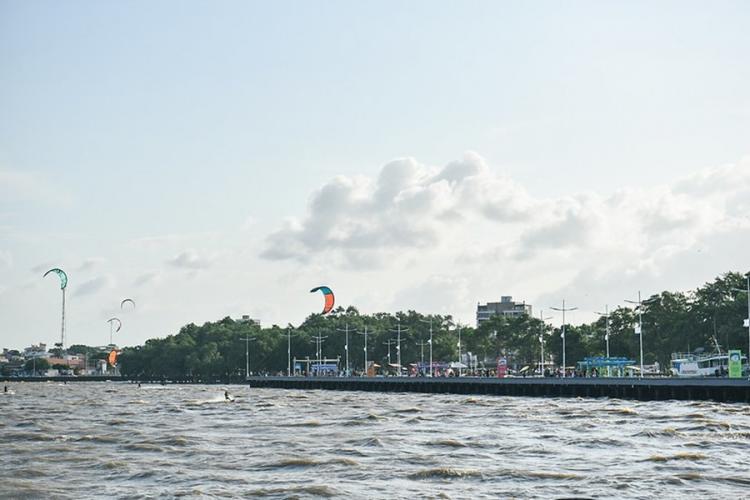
(40,364)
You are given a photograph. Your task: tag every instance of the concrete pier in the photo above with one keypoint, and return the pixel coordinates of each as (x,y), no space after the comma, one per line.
(647,389)
(722,390)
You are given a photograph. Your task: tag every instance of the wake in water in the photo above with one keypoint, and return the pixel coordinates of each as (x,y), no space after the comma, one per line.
(210,401)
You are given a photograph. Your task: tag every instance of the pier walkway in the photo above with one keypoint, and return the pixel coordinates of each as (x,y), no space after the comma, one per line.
(648,389)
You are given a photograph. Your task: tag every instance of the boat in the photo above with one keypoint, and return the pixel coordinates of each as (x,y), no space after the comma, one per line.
(700,364)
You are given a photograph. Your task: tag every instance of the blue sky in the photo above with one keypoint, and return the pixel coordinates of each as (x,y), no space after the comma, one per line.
(163,149)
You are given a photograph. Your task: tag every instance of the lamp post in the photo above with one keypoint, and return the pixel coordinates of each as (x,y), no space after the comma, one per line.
(247,355)
(748,325)
(606,335)
(389,343)
(432,373)
(346,345)
(421,348)
(459,352)
(365,349)
(747,321)
(289,351)
(398,344)
(639,330)
(541,341)
(562,334)
(319,349)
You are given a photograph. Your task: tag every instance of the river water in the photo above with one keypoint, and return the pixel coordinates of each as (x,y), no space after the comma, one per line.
(114,439)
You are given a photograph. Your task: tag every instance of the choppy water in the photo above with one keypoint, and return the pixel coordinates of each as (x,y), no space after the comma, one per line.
(113,439)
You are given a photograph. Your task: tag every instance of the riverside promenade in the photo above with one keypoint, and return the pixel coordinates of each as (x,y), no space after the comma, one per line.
(647,389)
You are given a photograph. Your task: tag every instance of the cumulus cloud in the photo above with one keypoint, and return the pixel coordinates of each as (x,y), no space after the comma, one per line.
(407,206)
(94,285)
(465,218)
(189,259)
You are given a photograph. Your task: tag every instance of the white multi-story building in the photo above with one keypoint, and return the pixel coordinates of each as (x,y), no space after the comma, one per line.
(36,351)
(506,307)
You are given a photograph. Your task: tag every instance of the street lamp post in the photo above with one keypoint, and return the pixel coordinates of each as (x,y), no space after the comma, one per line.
(432,373)
(346,345)
(389,343)
(541,341)
(319,349)
(365,349)
(289,351)
(639,331)
(564,310)
(747,321)
(459,352)
(421,349)
(606,335)
(748,325)
(398,344)
(247,355)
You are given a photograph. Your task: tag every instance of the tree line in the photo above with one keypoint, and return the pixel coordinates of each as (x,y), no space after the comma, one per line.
(672,322)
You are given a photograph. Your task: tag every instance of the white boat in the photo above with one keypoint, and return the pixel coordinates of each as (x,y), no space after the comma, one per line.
(699,364)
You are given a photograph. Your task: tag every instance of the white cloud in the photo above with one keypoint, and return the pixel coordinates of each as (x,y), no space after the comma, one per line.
(485,233)
(189,259)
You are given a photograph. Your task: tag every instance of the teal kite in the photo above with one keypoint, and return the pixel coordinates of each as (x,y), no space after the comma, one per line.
(60,274)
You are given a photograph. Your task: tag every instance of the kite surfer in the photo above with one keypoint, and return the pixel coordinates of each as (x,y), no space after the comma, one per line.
(226,396)
(5,388)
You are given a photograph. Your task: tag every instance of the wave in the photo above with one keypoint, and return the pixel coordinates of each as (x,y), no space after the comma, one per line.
(372,442)
(445,473)
(213,400)
(308,423)
(114,465)
(412,409)
(621,411)
(683,455)
(117,421)
(545,475)
(175,441)
(311,462)
(97,439)
(475,401)
(27,436)
(151,447)
(316,490)
(666,432)
(449,443)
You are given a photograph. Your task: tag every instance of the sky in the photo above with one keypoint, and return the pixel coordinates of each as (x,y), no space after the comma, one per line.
(213,159)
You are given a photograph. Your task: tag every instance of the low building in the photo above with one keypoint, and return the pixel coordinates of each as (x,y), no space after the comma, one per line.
(72,360)
(36,351)
(506,307)
(247,319)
